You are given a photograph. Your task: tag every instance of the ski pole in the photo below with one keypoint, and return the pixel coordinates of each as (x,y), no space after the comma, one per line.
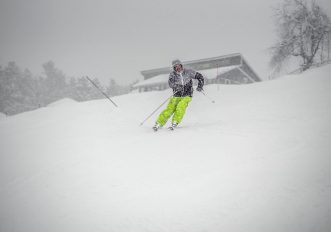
(158,108)
(101,91)
(207,96)
(155,110)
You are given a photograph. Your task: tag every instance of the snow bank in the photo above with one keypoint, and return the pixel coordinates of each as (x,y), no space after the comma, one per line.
(63,102)
(256,160)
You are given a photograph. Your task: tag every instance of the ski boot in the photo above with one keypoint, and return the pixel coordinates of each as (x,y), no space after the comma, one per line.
(156,127)
(173,126)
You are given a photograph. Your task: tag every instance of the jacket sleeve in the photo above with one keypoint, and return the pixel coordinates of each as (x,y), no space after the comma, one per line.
(171,81)
(200,78)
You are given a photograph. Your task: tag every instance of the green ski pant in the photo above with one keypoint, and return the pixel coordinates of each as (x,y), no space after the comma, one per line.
(177,107)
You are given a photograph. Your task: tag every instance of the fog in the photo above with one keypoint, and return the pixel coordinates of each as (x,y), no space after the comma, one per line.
(118,39)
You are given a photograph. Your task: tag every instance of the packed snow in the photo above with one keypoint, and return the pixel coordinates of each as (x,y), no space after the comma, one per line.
(256,160)
(66,102)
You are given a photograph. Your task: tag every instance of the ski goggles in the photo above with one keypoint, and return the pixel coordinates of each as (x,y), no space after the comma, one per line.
(178,67)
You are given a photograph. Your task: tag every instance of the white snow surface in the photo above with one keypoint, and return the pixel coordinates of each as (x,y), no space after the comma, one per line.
(259,159)
(66,102)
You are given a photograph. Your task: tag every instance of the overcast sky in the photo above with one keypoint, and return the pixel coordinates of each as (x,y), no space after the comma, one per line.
(117,39)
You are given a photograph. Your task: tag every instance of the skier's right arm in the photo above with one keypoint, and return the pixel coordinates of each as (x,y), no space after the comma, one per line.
(171,81)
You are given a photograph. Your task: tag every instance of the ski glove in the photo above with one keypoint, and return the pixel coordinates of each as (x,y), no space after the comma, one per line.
(199,88)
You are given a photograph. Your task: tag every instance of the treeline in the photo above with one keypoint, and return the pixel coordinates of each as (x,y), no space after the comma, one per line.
(22,91)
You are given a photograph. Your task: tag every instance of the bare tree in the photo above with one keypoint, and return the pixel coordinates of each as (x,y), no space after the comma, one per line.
(303,29)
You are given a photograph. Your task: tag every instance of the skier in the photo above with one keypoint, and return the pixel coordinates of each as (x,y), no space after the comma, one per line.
(180,80)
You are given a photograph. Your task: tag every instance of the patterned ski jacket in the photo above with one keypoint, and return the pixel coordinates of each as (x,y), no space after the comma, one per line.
(182,83)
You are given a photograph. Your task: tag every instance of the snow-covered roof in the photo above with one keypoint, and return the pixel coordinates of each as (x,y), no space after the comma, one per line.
(160,79)
(208,73)
(212,73)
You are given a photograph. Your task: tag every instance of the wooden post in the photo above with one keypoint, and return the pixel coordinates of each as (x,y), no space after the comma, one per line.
(329,45)
(217,79)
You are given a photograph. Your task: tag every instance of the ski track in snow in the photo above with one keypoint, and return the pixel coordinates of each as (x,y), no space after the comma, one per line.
(256,160)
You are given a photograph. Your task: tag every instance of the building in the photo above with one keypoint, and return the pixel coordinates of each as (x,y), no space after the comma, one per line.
(229,69)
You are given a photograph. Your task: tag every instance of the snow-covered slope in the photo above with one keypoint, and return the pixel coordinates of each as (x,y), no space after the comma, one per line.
(256,160)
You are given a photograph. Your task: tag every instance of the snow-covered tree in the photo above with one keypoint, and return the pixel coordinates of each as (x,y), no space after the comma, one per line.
(2,91)
(95,93)
(303,30)
(22,91)
(112,88)
(11,96)
(83,89)
(55,82)
(72,91)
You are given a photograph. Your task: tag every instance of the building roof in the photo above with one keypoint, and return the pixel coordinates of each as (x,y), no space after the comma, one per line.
(163,78)
(210,68)
(214,72)
(208,63)
(159,79)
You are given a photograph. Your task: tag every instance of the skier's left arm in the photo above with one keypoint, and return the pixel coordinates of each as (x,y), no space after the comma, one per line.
(201,81)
